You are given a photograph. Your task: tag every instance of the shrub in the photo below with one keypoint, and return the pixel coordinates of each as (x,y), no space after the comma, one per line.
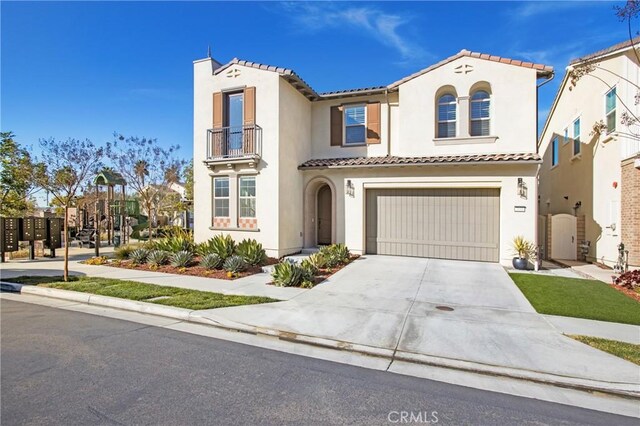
(335,254)
(211,261)
(174,244)
(309,266)
(629,280)
(158,257)
(234,264)
(100,260)
(182,259)
(291,274)
(222,245)
(317,260)
(139,256)
(341,252)
(251,252)
(123,252)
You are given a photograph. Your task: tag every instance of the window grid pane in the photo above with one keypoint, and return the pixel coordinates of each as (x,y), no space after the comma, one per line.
(554,152)
(611,100)
(247,197)
(576,146)
(354,134)
(447,114)
(611,121)
(480,127)
(447,130)
(221,197)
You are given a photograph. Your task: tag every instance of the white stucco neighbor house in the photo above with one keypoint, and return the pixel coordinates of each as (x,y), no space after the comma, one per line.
(442,163)
(594,174)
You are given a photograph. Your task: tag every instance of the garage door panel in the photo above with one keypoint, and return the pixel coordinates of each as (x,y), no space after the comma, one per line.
(442,223)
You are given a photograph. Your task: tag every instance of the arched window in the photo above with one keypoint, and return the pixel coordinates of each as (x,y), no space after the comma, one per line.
(480,113)
(447,116)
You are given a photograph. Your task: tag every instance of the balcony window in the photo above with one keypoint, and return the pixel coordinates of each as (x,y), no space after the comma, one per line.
(354,125)
(576,137)
(234,120)
(221,197)
(480,115)
(447,116)
(247,196)
(610,110)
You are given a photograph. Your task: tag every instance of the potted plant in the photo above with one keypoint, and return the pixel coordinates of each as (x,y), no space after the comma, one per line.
(524,251)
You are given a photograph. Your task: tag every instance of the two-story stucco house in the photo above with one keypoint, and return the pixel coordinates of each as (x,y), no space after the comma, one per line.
(594,175)
(442,163)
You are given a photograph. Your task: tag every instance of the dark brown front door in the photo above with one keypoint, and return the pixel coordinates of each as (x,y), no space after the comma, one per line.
(324,215)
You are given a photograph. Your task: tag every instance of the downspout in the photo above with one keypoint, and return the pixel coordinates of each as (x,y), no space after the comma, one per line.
(386,97)
(537,201)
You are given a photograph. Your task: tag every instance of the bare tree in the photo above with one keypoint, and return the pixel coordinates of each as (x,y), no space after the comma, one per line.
(67,167)
(149,169)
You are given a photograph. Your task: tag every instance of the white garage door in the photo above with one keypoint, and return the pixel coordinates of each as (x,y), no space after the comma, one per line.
(440,223)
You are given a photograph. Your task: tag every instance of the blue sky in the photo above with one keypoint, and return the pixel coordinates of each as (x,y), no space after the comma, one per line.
(85,70)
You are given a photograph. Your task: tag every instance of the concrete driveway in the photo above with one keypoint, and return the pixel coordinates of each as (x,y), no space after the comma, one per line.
(395,303)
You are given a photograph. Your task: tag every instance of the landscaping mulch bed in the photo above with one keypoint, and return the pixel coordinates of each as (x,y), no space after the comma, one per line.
(323,274)
(196,271)
(631,293)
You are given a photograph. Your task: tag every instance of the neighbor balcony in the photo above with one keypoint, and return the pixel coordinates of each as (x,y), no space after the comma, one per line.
(233,145)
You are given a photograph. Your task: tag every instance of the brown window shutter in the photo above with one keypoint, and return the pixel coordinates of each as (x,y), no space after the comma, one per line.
(217,124)
(336,126)
(373,122)
(249,113)
(217,110)
(250,105)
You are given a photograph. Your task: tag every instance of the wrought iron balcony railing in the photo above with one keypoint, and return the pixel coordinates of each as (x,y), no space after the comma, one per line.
(234,142)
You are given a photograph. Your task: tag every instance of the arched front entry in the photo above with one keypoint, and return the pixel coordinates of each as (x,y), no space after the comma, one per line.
(319,212)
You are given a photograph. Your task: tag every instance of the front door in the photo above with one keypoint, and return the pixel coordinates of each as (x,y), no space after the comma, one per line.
(234,122)
(324,215)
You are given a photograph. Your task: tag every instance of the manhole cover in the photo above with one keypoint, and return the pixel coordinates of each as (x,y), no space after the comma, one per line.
(444,308)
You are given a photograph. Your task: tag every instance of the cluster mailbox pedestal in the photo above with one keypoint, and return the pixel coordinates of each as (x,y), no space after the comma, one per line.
(31,229)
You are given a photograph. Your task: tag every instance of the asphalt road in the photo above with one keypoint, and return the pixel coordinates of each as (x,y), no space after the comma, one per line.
(62,367)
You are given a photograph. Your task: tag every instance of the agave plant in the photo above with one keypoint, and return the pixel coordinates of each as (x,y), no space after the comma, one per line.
(317,260)
(139,256)
(291,274)
(309,266)
(174,244)
(234,264)
(158,257)
(123,252)
(211,261)
(251,252)
(342,252)
(222,245)
(182,259)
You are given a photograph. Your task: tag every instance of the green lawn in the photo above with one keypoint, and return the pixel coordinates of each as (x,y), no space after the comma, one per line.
(624,350)
(132,290)
(573,297)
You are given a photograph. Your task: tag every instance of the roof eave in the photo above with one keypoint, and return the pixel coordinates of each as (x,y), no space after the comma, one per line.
(444,163)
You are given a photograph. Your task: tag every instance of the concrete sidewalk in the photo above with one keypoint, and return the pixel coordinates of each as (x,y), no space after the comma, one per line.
(606,330)
(253,285)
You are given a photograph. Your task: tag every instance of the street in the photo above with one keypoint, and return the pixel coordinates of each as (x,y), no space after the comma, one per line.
(62,367)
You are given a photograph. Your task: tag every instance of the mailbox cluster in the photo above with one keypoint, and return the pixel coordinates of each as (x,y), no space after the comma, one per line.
(31,229)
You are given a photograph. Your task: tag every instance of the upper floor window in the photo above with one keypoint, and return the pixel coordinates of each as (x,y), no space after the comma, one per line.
(610,110)
(221,197)
(480,116)
(554,151)
(355,128)
(247,197)
(576,137)
(447,116)
(566,135)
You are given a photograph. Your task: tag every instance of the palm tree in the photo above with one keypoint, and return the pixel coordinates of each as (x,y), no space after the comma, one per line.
(141,170)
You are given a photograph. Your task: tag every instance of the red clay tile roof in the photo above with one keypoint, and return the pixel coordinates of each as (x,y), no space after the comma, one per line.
(326,163)
(362,91)
(543,70)
(606,51)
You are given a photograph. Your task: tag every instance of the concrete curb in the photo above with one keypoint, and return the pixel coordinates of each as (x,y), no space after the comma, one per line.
(627,390)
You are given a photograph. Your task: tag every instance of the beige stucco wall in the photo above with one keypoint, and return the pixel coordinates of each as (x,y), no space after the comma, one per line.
(592,178)
(267,86)
(350,226)
(512,110)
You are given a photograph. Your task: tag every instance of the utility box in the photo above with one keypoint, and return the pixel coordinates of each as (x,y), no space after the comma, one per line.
(54,237)
(40,228)
(9,229)
(27,230)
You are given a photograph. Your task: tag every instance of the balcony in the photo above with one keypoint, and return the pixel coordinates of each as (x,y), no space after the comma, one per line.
(234,145)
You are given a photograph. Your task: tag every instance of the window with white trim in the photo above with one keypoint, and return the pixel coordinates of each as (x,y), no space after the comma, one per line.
(447,116)
(247,196)
(221,197)
(355,128)
(610,110)
(480,115)
(566,135)
(576,137)
(554,151)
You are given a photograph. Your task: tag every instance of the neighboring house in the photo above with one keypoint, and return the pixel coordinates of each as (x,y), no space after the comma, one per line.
(171,207)
(440,164)
(594,174)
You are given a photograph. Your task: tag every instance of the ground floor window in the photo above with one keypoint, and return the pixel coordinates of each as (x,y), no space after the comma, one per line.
(247,196)
(221,197)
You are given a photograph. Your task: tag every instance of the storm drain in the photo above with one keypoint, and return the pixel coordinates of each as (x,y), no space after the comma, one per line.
(444,308)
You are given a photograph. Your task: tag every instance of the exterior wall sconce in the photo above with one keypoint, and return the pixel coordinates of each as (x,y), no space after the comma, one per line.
(522,188)
(350,189)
